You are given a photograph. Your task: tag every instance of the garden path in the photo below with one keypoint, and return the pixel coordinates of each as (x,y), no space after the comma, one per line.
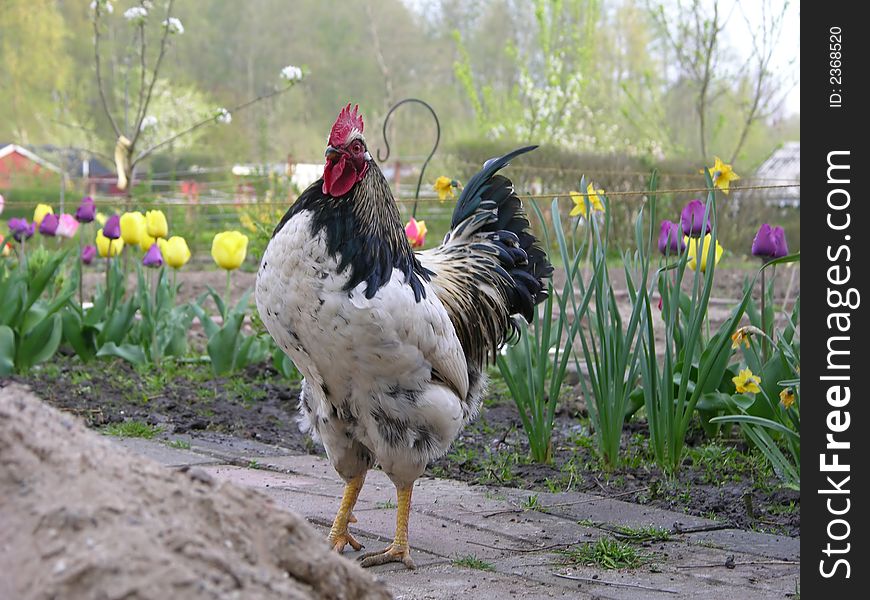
(474,541)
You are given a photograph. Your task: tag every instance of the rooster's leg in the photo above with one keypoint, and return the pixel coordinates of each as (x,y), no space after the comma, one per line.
(339,536)
(398,551)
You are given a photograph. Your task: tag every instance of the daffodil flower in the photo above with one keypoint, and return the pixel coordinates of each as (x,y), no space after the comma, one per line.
(444,186)
(786,397)
(746,382)
(694,251)
(722,174)
(580,204)
(741,336)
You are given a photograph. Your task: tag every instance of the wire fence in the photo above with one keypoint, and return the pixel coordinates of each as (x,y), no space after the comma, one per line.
(197,209)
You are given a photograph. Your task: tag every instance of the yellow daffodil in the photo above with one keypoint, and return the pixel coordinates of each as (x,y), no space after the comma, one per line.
(786,397)
(722,174)
(132,227)
(105,245)
(175,251)
(155,222)
(40,212)
(746,382)
(580,205)
(692,244)
(444,187)
(228,249)
(247,222)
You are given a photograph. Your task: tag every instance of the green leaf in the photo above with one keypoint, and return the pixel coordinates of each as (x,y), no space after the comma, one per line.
(753,420)
(222,346)
(132,354)
(40,343)
(78,336)
(7,351)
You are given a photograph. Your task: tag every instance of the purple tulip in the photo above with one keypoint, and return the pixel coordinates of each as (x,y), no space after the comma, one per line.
(692,219)
(671,239)
(112,228)
(769,242)
(88,254)
(21,229)
(48,226)
(153,258)
(86,212)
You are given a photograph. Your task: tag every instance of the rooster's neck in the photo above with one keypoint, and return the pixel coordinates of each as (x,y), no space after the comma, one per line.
(363,232)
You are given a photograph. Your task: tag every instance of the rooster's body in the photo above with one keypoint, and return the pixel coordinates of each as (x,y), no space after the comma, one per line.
(393,344)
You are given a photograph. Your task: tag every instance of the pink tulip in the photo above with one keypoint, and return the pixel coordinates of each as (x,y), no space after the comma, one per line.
(67,226)
(416,232)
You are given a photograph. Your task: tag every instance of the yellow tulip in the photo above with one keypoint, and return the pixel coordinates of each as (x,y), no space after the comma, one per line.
(40,212)
(132,227)
(692,243)
(101,219)
(228,249)
(156,224)
(175,251)
(146,241)
(104,246)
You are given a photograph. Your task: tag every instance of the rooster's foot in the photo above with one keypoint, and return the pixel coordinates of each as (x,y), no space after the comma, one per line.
(339,541)
(393,553)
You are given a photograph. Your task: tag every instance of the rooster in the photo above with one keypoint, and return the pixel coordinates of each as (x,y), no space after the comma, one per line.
(393,344)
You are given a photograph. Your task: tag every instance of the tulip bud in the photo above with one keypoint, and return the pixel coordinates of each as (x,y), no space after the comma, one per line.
(86,212)
(112,228)
(228,249)
(156,224)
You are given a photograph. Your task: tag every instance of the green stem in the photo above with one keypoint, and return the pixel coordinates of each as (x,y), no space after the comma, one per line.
(763,318)
(108,264)
(227,296)
(81,275)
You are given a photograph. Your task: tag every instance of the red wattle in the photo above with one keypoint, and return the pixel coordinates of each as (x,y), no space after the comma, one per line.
(339,177)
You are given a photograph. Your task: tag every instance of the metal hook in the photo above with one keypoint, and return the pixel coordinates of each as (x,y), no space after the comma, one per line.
(428,158)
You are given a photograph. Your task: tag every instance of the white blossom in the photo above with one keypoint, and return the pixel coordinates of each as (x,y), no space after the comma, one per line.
(224,116)
(105,4)
(291,73)
(147,122)
(136,14)
(174,25)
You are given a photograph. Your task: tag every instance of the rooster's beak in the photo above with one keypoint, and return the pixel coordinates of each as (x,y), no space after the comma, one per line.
(332,153)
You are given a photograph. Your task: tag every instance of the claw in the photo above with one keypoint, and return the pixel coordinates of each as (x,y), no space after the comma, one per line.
(392,553)
(338,542)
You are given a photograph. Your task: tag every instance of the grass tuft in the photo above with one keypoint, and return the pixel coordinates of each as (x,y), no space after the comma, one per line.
(606,553)
(472,562)
(132,429)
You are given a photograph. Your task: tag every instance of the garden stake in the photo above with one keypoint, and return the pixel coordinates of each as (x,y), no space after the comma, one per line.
(428,158)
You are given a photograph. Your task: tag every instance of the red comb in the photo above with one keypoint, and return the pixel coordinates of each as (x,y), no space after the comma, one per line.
(347,121)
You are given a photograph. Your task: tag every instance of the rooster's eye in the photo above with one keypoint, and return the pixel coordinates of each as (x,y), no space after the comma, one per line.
(356,147)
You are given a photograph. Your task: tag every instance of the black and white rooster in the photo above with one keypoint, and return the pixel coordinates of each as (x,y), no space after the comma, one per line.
(393,343)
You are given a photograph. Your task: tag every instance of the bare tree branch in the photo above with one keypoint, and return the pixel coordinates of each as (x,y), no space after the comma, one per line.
(96,22)
(141,115)
(148,151)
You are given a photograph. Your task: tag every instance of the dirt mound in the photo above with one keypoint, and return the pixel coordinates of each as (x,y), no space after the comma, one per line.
(81,518)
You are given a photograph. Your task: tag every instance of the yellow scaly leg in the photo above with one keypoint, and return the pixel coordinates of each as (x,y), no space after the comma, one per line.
(398,551)
(339,536)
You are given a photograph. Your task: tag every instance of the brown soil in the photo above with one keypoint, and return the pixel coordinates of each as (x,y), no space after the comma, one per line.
(82,518)
(259,404)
